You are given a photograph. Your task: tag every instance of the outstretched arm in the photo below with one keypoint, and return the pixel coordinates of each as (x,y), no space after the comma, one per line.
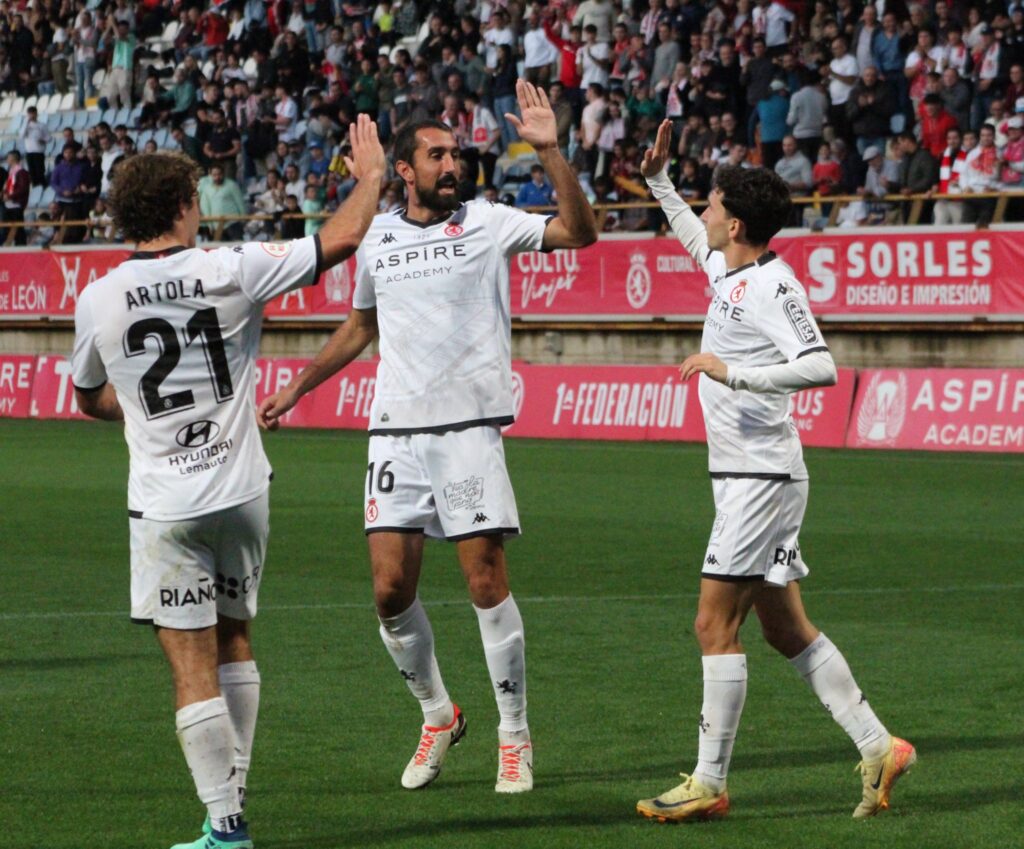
(684,223)
(344,230)
(574,227)
(348,341)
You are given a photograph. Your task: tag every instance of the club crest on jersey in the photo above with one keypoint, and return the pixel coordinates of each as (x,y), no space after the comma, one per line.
(738,291)
(372,511)
(278,250)
(453,230)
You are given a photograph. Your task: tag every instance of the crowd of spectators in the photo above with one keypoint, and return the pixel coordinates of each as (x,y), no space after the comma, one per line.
(839,98)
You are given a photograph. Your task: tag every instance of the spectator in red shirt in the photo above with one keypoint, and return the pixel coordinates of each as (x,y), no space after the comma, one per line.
(214,31)
(935,123)
(569,76)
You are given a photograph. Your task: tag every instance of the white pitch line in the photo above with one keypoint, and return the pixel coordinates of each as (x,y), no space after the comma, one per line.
(567,599)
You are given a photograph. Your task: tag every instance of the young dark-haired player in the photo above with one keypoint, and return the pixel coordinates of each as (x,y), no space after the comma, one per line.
(760,344)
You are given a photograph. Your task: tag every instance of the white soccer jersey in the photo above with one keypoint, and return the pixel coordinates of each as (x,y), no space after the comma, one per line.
(759,316)
(441,292)
(177,333)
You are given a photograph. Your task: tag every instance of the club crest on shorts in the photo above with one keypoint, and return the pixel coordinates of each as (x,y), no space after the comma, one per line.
(453,230)
(738,291)
(719,526)
(372,510)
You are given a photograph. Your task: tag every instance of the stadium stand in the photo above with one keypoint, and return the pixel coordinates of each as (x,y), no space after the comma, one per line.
(877,114)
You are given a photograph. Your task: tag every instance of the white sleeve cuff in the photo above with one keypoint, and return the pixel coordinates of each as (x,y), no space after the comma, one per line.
(806,372)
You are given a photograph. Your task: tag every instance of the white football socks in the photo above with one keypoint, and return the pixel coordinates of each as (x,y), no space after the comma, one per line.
(725,691)
(823,666)
(501,629)
(240,687)
(207,738)
(409,640)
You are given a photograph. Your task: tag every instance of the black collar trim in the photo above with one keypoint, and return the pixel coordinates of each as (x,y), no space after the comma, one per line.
(764,259)
(457,217)
(158,254)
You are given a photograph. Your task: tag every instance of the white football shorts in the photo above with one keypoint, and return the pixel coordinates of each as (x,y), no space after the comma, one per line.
(451,485)
(186,572)
(756,530)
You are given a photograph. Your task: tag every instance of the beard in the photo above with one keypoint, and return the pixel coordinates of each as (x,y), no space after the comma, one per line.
(432,199)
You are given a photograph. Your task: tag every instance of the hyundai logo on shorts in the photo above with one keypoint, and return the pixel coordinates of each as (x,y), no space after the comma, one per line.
(195,434)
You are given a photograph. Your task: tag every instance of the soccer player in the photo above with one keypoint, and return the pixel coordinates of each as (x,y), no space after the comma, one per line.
(433,281)
(760,344)
(167,342)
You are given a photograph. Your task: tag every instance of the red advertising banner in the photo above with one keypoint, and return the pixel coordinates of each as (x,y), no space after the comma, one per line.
(53,393)
(16,375)
(891,273)
(570,402)
(939,410)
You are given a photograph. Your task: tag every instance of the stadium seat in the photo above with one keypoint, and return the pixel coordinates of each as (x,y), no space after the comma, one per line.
(16,124)
(108,115)
(5,106)
(93,118)
(520,150)
(43,104)
(134,115)
(124,115)
(66,102)
(18,106)
(48,195)
(98,78)
(31,101)
(162,138)
(35,196)
(79,119)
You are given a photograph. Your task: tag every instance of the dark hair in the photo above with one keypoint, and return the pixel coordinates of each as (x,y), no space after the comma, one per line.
(757,197)
(147,192)
(405,141)
(907,136)
(16,154)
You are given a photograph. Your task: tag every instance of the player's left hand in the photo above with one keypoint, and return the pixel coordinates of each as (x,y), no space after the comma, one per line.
(537,125)
(704,363)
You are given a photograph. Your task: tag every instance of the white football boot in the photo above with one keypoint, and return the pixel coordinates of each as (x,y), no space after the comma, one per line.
(434,744)
(515,762)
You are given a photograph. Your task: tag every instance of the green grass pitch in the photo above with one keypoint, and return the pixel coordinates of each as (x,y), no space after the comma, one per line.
(915,573)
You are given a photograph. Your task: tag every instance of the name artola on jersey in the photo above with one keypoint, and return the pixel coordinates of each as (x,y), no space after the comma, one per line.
(171,290)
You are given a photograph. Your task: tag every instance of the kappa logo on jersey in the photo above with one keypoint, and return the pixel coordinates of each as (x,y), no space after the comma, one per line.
(884,410)
(188,596)
(638,282)
(464,495)
(388,239)
(372,511)
(278,250)
(711,561)
(738,292)
(799,321)
(197,434)
(453,230)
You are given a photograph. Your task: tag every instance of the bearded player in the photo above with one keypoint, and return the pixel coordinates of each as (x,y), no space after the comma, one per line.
(433,282)
(760,344)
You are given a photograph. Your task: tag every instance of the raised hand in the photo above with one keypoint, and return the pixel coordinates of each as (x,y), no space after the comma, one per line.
(537,125)
(656,158)
(367,154)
